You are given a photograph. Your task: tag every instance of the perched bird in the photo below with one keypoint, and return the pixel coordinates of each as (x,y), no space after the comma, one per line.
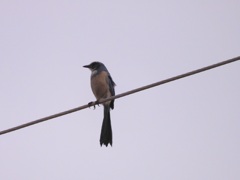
(102,86)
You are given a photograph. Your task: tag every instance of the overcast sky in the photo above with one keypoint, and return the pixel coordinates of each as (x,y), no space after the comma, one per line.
(187,129)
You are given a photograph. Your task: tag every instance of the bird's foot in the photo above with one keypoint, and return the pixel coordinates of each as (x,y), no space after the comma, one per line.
(93,104)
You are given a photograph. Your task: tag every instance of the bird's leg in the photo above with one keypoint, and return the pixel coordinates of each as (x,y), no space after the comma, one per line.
(90,104)
(93,104)
(97,102)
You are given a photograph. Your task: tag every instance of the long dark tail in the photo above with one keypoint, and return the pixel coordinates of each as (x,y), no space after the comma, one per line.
(106,132)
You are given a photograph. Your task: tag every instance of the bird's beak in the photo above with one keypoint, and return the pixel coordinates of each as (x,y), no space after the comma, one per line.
(87,66)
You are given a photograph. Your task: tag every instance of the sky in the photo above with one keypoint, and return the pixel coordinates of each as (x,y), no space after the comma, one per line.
(186,129)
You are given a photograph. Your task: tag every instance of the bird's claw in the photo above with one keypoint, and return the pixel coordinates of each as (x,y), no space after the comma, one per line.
(93,104)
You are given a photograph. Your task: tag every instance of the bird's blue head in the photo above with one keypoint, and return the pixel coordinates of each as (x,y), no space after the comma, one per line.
(96,66)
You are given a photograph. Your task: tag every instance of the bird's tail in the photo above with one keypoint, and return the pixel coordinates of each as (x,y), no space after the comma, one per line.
(106,132)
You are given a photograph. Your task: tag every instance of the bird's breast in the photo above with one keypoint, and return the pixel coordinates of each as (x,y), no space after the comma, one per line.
(100,86)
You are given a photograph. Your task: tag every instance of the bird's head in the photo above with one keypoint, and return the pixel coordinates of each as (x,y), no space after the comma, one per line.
(94,66)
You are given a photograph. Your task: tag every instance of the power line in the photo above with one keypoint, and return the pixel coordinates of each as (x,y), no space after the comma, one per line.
(122,94)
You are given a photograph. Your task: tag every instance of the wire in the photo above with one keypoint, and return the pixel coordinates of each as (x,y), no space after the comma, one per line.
(122,95)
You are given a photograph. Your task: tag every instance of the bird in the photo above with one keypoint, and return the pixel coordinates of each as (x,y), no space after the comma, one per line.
(102,86)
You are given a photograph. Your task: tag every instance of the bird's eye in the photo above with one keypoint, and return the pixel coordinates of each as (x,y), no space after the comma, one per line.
(94,65)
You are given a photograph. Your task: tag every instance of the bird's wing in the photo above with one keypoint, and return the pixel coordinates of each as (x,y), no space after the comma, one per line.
(111,85)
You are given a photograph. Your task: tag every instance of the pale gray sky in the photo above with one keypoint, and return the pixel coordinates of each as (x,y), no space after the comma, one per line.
(188,129)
